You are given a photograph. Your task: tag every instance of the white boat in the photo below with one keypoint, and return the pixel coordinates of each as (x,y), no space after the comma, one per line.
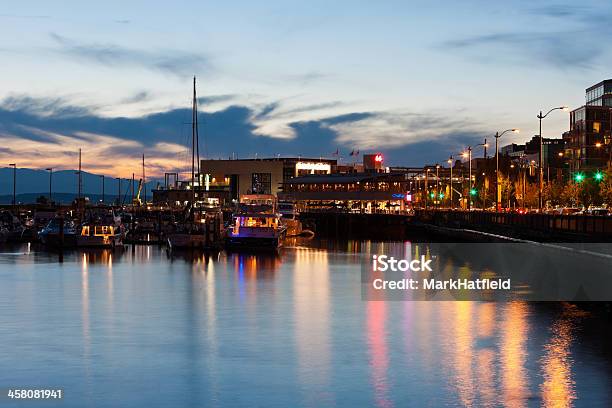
(256,224)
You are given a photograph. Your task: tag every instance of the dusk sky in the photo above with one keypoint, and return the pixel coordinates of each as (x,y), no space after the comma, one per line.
(415,80)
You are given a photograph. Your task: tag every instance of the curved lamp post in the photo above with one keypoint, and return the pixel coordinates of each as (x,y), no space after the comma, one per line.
(497,136)
(541,158)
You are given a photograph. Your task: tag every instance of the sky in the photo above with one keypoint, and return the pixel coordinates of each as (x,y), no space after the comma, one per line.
(417,81)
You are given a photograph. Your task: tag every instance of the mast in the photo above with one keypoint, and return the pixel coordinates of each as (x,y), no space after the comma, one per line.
(195,145)
(144,179)
(80,179)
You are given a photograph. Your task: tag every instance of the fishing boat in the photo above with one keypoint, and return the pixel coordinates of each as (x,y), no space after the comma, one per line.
(100,236)
(101,229)
(202,225)
(256,224)
(58,232)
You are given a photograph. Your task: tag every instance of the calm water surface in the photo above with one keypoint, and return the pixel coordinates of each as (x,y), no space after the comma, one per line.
(140,328)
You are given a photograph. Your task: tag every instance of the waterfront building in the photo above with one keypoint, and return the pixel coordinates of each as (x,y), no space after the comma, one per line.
(222,181)
(588,142)
(358,192)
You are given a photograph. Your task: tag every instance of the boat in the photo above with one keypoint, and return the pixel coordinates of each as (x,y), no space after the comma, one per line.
(51,234)
(256,224)
(100,235)
(12,228)
(201,229)
(202,225)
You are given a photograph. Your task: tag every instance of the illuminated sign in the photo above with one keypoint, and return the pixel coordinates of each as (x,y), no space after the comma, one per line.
(312,167)
(378,158)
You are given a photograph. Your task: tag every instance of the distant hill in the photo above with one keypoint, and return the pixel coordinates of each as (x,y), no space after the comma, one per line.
(33,183)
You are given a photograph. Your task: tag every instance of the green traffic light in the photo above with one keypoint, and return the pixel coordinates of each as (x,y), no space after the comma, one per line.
(599,176)
(579,177)
(441,195)
(432,195)
(473,191)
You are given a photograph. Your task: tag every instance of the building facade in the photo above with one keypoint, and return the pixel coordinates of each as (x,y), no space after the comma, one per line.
(358,192)
(260,176)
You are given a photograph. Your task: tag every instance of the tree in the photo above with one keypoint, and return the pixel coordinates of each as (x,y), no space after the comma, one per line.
(553,192)
(605,188)
(571,195)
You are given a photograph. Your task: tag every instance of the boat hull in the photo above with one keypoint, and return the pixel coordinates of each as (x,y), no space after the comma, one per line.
(187,241)
(98,241)
(54,240)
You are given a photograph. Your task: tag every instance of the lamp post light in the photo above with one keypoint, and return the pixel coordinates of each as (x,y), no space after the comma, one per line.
(118,191)
(450,163)
(541,155)
(14,166)
(437,184)
(102,177)
(50,170)
(468,155)
(426,186)
(497,195)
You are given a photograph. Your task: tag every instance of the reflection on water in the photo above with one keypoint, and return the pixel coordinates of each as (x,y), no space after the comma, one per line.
(514,328)
(288,329)
(379,358)
(558,389)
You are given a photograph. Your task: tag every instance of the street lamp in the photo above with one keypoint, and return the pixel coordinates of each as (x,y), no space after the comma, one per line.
(118,191)
(497,195)
(50,170)
(14,166)
(541,158)
(102,177)
(468,155)
(450,163)
(438,184)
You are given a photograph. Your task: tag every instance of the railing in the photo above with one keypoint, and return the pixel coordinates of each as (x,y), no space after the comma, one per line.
(583,224)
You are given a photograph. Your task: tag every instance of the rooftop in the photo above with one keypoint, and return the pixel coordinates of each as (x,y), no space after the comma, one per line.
(340,178)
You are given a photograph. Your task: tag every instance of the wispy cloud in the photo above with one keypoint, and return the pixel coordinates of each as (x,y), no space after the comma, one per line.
(174,62)
(137,97)
(574,42)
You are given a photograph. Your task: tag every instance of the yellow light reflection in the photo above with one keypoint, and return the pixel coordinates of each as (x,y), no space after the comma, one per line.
(514,334)
(312,332)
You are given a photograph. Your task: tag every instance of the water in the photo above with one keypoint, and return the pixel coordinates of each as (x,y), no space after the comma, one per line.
(140,328)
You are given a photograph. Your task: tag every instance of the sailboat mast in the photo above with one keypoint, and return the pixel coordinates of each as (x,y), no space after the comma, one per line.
(80,177)
(193,135)
(144,179)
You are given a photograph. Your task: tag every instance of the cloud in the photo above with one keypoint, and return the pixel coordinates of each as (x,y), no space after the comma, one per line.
(137,97)
(569,45)
(38,136)
(173,62)
(24,16)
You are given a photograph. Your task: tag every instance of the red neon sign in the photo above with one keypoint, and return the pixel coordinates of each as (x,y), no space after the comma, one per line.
(378,158)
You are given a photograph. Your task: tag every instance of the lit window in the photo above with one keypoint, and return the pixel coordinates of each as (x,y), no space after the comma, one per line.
(596,127)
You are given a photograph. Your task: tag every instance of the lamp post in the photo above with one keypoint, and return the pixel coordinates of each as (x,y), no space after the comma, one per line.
(437,197)
(426,186)
(468,155)
(541,155)
(102,177)
(497,195)
(118,191)
(450,163)
(14,166)
(50,170)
